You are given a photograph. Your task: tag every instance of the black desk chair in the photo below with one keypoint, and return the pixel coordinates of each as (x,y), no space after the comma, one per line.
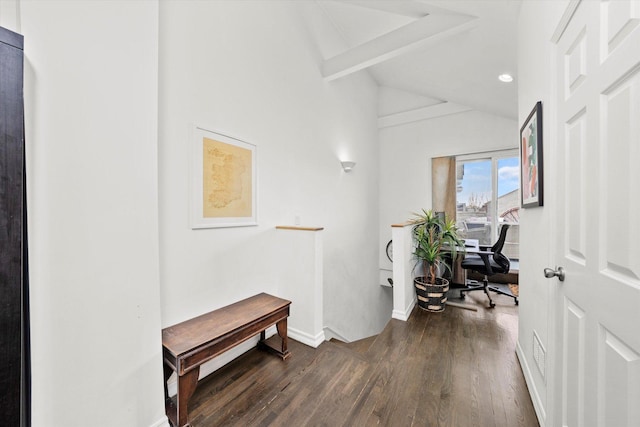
(489,261)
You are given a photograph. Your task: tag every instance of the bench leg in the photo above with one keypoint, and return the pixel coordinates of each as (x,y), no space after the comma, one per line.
(282,331)
(186,386)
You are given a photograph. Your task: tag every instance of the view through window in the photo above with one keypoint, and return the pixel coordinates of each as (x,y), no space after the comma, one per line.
(488,196)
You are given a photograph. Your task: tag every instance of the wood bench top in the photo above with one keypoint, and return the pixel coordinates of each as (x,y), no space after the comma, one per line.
(193,333)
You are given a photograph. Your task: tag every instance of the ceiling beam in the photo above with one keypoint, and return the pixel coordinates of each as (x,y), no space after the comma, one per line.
(416,35)
(411,9)
(423,113)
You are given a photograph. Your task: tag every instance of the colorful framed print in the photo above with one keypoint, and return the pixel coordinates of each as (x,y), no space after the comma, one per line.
(531,171)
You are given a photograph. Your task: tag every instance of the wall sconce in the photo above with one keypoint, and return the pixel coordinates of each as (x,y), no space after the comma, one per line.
(347,166)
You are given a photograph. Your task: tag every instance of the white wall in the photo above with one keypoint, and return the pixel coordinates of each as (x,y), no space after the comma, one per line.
(91,132)
(251,69)
(406,152)
(92,99)
(537,23)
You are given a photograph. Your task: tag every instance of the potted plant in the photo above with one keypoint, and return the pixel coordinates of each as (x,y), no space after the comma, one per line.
(434,237)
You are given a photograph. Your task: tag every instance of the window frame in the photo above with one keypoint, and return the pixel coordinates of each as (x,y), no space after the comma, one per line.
(494,156)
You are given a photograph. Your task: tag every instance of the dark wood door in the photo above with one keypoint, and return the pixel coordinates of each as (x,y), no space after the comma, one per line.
(14,327)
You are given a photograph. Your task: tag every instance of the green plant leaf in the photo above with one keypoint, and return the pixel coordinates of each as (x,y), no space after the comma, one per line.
(434,237)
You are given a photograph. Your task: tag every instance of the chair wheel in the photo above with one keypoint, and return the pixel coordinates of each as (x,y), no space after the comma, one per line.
(492,304)
(462,295)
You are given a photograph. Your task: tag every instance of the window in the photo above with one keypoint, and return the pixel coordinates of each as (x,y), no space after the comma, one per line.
(488,195)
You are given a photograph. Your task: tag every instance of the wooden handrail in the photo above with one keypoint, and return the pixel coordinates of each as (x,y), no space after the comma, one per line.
(296,227)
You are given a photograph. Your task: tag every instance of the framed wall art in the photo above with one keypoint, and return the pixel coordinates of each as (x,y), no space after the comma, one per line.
(224,181)
(531,171)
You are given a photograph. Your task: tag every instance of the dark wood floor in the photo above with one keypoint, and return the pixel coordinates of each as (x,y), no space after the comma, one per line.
(456,368)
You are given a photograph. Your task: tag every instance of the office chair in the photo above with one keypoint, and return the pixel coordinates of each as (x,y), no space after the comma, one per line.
(489,261)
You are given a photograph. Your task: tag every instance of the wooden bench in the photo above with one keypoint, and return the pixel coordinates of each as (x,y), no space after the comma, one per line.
(189,344)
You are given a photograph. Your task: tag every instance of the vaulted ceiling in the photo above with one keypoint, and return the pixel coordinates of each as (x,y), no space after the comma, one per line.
(429,58)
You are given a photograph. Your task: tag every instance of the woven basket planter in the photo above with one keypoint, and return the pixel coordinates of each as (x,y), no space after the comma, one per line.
(431,297)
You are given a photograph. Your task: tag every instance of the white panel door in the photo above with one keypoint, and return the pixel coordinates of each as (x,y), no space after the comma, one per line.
(596,123)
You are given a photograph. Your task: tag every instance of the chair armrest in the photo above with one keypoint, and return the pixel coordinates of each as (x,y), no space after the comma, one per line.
(485,258)
(481,253)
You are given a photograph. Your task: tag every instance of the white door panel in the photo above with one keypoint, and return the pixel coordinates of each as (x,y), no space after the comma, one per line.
(573,364)
(597,74)
(619,380)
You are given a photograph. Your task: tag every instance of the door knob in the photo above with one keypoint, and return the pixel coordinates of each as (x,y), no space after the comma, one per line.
(550,273)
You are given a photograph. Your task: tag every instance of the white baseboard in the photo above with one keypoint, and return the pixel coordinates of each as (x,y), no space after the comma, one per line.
(533,391)
(330,334)
(162,422)
(403,315)
(305,338)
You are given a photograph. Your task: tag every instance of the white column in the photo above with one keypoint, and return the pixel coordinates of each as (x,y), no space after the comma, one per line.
(404,297)
(301,281)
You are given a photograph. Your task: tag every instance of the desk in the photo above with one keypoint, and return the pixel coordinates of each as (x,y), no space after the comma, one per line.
(471,244)
(459,274)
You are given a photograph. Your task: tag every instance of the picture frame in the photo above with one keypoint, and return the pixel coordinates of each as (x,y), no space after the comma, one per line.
(531,167)
(223,180)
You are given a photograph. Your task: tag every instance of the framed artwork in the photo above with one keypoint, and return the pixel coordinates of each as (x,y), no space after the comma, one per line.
(531,189)
(224,181)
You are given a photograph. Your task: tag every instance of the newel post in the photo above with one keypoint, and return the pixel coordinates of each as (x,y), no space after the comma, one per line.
(301,281)
(404,297)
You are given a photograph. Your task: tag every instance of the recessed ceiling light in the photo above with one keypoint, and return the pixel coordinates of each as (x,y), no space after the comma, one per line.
(507,78)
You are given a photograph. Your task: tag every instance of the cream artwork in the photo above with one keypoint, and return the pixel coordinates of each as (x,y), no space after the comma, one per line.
(226,180)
